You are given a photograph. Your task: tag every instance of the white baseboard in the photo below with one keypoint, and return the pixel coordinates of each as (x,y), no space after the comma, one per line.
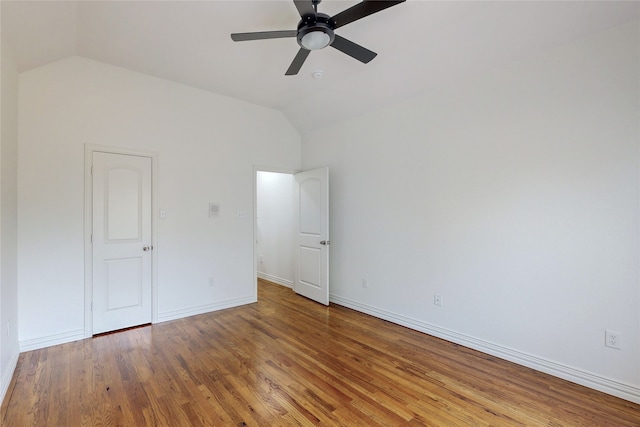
(48,341)
(51,340)
(201,309)
(275,279)
(7,376)
(587,379)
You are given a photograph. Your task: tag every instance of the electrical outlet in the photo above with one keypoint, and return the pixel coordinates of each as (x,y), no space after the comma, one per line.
(365,284)
(613,339)
(437,300)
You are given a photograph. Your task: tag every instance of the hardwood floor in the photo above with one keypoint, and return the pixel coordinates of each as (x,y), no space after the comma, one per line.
(289,361)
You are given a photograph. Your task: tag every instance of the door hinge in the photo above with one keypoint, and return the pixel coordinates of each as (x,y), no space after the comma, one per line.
(91,305)
(92,238)
(91,170)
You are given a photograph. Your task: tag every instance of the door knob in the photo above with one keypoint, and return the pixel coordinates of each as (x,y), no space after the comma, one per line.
(324,242)
(147,248)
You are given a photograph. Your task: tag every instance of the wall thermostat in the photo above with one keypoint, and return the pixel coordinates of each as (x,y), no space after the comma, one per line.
(214,210)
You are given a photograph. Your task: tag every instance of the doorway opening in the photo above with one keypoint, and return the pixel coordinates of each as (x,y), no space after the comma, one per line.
(274,239)
(291,231)
(120,283)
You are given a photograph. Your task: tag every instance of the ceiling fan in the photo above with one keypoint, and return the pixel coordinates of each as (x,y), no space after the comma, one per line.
(316,30)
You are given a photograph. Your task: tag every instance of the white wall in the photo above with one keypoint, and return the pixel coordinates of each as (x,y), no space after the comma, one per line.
(8,215)
(207,146)
(275,226)
(515,196)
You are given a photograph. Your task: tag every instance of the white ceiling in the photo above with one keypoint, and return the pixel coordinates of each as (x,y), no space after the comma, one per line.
(421,45)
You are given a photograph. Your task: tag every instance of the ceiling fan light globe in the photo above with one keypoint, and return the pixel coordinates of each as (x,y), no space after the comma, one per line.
(315,40)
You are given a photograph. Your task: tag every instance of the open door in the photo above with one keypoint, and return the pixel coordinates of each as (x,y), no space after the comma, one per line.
(311,201)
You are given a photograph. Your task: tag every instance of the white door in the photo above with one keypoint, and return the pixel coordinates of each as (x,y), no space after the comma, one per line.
(311,278)
(121,241)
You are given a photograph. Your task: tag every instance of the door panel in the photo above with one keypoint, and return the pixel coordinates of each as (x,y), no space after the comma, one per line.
(123,284)
(310,212)
(310,260)
(311,278)
(123,205)
(121,241)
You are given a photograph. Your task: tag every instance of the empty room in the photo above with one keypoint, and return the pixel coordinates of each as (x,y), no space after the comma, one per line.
(340,213)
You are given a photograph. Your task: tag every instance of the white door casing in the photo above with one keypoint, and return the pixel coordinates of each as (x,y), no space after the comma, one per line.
(121,241)
(311,198)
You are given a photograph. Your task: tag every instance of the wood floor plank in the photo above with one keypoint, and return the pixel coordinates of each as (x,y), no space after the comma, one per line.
(288,361)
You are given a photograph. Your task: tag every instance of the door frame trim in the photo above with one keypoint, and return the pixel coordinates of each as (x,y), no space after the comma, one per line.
(89,149)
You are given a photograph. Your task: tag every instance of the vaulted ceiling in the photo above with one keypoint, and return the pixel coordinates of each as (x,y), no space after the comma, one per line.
(421,45)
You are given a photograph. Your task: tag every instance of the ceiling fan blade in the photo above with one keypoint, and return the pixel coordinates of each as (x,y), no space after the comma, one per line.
(359,11)
(262,35)
(352,49)
(297,62)
(305,8)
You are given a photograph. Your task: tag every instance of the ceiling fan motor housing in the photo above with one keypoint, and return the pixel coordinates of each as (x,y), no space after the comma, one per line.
(315,32)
